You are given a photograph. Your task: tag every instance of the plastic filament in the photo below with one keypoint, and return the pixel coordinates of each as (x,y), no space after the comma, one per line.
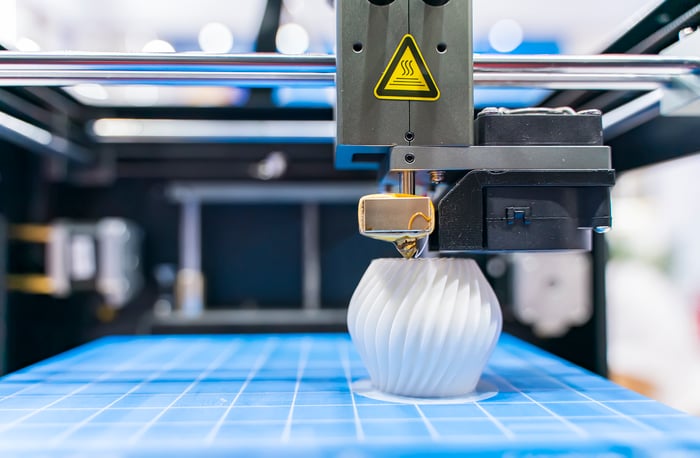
(424,327)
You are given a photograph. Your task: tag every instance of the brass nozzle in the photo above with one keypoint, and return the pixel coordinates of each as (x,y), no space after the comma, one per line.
(402,219)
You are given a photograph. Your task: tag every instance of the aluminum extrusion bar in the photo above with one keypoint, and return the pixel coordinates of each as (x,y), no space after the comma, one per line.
(632,114)
(261,193)
(41,141)
(604,72)
(272,319)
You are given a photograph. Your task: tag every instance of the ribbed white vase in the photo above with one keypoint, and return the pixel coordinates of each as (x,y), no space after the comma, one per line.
(424,327)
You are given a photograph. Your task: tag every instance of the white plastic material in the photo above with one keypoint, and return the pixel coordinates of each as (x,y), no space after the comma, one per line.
(424,327)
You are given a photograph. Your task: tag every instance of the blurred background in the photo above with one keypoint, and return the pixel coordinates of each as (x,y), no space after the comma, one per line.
(180,163)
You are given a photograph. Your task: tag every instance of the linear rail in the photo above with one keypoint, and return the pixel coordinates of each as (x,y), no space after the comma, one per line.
(595,72)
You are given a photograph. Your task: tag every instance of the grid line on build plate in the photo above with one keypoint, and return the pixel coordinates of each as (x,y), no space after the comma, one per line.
(173,363)
(434,435)
(345,361)
(80,357)
(257,365)
(102,377)
(508,433)
(617,413)
(576,429)
(303,360)
(227,352)
(20,391)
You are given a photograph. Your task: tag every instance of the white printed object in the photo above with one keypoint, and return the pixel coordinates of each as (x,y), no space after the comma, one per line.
(424,327)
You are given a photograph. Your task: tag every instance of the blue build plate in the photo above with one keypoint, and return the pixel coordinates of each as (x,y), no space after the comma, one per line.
(289,396)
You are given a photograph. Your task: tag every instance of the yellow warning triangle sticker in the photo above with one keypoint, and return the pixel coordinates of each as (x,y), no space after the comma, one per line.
(407,77)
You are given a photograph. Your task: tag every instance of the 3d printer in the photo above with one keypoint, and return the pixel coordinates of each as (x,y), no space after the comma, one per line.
(535,179)
(528,179)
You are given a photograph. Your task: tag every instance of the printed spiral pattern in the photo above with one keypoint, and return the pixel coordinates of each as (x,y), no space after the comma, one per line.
(424,327)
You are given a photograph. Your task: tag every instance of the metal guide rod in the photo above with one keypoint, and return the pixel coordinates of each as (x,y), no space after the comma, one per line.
(190,280)
(407,182)
(311,256)
(257,69)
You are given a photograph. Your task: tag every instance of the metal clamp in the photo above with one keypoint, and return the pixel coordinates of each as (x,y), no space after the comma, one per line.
(416,158)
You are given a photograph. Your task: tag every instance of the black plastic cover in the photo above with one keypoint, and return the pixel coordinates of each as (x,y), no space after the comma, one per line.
(539,129)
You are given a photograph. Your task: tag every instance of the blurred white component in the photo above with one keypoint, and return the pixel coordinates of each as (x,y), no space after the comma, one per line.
(158,46)
(317,17)
(189,292)
(292,39)
(103,24)
(215,38)
(119,276)
(295,7)
(636,226)
(141,95)
(58,259)
(162,308)
(650,334)
(505,35)
(272,167)
(8,22)
(91,91)
(167,130)
(124,128)
(190,96)
(552,291)
(424,327)
(82,256)
(674,187)
(497,266)
(25,44)
(565,22)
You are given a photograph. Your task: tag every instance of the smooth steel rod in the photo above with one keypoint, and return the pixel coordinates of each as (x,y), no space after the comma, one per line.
(407,182)
(643,72)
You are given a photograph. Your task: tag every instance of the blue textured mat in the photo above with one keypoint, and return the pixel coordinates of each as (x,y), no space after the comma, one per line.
(289,395)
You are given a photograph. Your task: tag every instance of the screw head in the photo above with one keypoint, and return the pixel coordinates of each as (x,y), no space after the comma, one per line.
(685,32)
(409,158)
(409,136)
